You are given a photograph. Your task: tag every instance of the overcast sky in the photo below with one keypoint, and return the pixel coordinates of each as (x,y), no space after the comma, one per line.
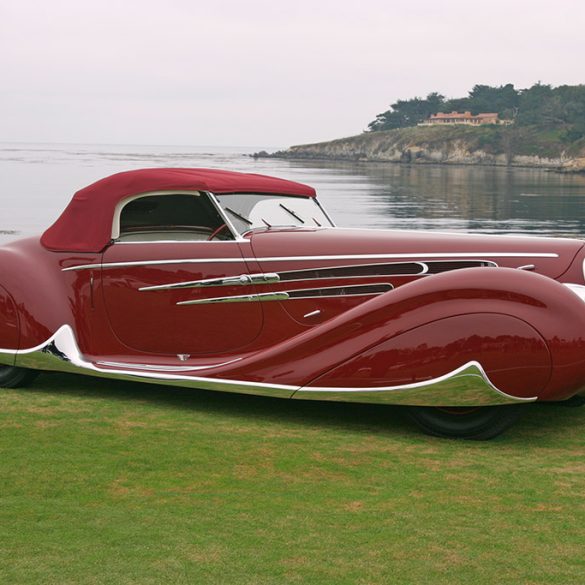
(260,72)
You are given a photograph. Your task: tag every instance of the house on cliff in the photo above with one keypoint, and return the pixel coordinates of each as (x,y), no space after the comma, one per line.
(466,118)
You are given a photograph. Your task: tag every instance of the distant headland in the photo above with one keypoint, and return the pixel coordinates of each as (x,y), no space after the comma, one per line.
(542,126)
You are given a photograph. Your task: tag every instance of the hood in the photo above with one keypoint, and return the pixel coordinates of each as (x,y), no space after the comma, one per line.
(336,246)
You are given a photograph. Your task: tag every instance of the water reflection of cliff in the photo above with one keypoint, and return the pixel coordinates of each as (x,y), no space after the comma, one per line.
(440,197)
(37,183)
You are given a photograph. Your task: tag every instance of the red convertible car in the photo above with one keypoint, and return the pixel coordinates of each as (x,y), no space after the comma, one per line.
(241,283)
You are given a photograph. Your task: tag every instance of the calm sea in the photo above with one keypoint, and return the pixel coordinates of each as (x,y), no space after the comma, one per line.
(38,180)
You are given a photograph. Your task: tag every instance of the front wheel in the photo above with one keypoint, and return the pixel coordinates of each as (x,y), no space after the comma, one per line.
(479,424)
(12,377)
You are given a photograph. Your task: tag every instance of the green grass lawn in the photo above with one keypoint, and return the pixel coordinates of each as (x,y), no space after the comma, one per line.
(109,482)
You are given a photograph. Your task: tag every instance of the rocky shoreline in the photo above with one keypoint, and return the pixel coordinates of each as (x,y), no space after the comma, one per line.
(446,146)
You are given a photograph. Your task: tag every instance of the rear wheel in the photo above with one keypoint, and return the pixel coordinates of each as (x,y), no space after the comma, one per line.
(478,424)
(578,400)
(12,377)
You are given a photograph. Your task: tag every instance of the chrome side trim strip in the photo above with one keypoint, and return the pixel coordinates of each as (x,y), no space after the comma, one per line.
(311,258)
(263,297)
(243,279)
(186,242)
(288,275)
(468,385)
(274,277)
(292,295)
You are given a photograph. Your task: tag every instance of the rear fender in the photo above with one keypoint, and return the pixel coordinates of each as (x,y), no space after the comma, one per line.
(33,279)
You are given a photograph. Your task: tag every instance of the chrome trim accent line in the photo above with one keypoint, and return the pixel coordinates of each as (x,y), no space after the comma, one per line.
(312,314)
(243,279)
(290,295)
(187,242)
(155,368)
(526,267)
(273,277)
(270,296)
(468,385)
(313,258)
(282,276)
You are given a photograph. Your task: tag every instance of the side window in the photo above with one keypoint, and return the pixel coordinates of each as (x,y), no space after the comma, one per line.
(180,217)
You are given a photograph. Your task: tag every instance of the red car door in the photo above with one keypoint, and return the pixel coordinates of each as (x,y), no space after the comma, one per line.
(153,321)
(165,239)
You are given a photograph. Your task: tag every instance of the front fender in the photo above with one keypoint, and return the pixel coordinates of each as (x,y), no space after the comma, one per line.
(513,356)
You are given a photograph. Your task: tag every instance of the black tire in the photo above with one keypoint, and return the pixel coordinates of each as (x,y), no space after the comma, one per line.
(479,424)
(573,402)
(11,377)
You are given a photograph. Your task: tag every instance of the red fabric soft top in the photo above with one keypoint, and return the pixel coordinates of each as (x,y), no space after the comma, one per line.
(86,223)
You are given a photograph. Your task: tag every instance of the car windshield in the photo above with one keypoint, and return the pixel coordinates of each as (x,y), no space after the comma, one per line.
(250,211)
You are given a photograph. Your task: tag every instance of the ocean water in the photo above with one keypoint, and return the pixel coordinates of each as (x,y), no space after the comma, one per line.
(38,180)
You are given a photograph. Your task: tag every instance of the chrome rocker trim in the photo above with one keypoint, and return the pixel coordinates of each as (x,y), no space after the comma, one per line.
(61,353)
(468,385)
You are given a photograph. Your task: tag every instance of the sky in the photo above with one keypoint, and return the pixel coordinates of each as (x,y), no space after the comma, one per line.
(259,72)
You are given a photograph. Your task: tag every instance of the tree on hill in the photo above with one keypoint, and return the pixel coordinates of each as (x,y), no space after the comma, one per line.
(484,98)
(561,109)
(405,113)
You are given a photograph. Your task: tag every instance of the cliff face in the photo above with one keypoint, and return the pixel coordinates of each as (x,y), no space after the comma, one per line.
(499,146)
